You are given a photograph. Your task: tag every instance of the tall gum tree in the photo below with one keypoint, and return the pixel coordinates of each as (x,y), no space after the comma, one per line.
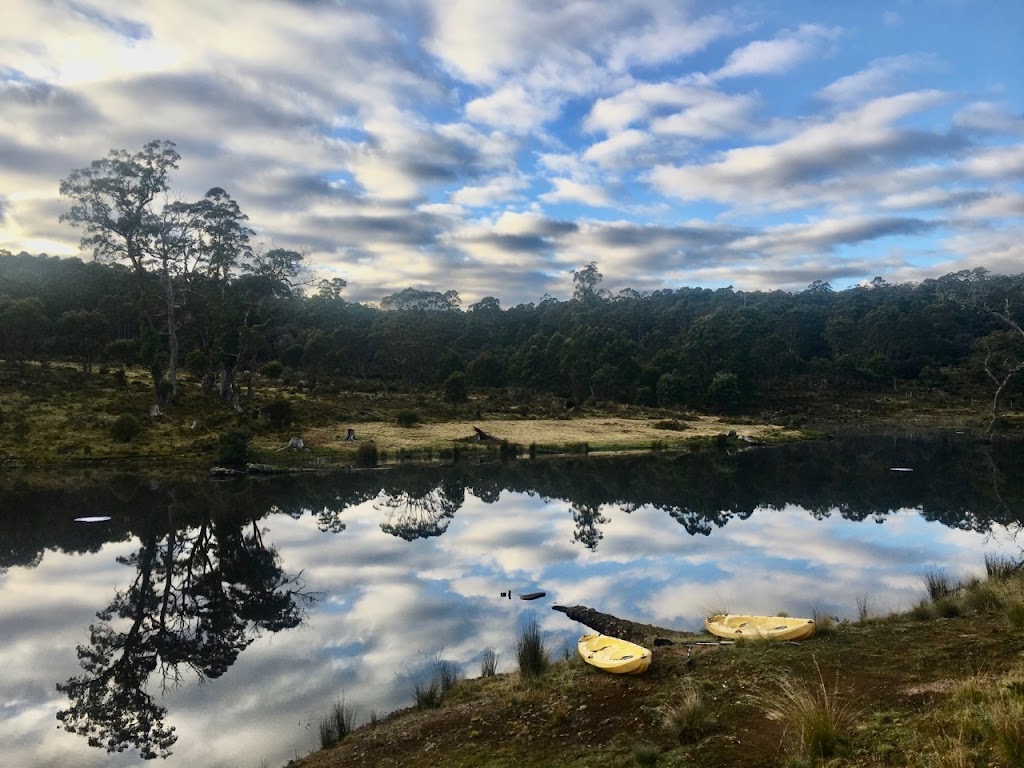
(113,201)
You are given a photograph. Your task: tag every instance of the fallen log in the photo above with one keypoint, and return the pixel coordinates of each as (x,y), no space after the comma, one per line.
(613,626)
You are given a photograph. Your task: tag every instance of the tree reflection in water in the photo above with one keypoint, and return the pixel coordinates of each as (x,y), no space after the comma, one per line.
(200,596)
(422,510)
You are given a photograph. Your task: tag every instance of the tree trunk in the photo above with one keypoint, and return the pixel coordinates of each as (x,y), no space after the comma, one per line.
(172,340)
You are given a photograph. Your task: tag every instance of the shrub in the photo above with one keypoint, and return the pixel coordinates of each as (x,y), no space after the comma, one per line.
(455,389)
(407,418)
(530,651)
(278,412)
(366,455)
(272,370)
(233,447)
(125,427)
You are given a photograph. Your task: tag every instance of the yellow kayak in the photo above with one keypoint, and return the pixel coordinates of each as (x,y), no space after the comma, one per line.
(613,655)
(759,627)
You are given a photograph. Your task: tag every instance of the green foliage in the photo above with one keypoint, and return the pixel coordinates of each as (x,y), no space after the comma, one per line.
(455,389)
(646,754)
(125,428)
(278,412)
(272,370)
(233,447)
(407,418)
(367,455)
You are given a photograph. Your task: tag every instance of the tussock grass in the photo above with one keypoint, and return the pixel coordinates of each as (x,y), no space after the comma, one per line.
(1002,567)
(938,584)
(863,607)
(824,624)
(688,716)
(338,723)
(427,693)
(811,714)
(530,650)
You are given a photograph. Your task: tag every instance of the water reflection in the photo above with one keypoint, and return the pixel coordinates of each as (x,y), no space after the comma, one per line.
(198,597)
(206,579)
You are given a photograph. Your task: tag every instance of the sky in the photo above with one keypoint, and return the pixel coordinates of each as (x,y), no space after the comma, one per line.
(493,147)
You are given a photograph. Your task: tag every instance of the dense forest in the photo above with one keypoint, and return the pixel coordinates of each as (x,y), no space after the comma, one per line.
(183,288)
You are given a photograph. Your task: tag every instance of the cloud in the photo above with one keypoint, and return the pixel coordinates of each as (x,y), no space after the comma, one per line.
(780,175)
(567,190)
(878,78)
(778,55)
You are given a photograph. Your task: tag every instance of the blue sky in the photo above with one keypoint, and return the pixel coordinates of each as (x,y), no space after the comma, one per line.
(492,148)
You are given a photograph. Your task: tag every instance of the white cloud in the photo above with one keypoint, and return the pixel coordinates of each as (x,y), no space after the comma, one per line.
(776,56)
(567,190)
(880,76)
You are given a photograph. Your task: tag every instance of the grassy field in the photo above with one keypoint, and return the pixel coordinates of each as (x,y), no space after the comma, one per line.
(55,415)
(942,686)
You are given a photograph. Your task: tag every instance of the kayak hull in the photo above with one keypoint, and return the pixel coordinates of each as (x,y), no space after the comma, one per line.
(759,627)
(620,657)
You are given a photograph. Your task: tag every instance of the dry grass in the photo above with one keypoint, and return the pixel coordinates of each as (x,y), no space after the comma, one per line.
(688,716)
(811,714)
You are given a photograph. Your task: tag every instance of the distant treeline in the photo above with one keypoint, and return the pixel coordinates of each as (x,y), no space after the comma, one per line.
(721,350)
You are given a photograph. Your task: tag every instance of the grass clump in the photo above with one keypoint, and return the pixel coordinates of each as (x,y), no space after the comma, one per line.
(530,650)
(338,723)
(812,714)
(688,717)
(938,584)
(646,754)
(489,662)
(1002,567)
(428,691)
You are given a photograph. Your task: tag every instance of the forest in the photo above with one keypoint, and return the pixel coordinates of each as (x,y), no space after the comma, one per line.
(182,288)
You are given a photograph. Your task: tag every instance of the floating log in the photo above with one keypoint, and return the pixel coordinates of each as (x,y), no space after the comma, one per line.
(532,595)
(634,632)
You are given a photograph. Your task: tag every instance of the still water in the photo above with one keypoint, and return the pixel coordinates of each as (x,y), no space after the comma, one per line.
(216,621)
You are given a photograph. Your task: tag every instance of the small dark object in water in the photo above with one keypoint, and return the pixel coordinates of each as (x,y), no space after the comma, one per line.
(532,595)
(507,594)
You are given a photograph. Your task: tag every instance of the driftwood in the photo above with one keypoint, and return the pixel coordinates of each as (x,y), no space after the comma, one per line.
(606,624)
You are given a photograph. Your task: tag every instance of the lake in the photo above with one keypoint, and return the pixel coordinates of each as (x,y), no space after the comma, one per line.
(218,620)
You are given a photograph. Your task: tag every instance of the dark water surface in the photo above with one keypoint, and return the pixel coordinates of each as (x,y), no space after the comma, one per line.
(218,620)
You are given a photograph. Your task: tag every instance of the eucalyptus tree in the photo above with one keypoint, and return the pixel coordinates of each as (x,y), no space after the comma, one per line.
(114,202)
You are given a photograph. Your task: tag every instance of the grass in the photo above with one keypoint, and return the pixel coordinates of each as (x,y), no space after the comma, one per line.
(811,714)
(948,695)
(688,716)
(488,662)
(51,429)
(938,584)
(337,724)
(530,650)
